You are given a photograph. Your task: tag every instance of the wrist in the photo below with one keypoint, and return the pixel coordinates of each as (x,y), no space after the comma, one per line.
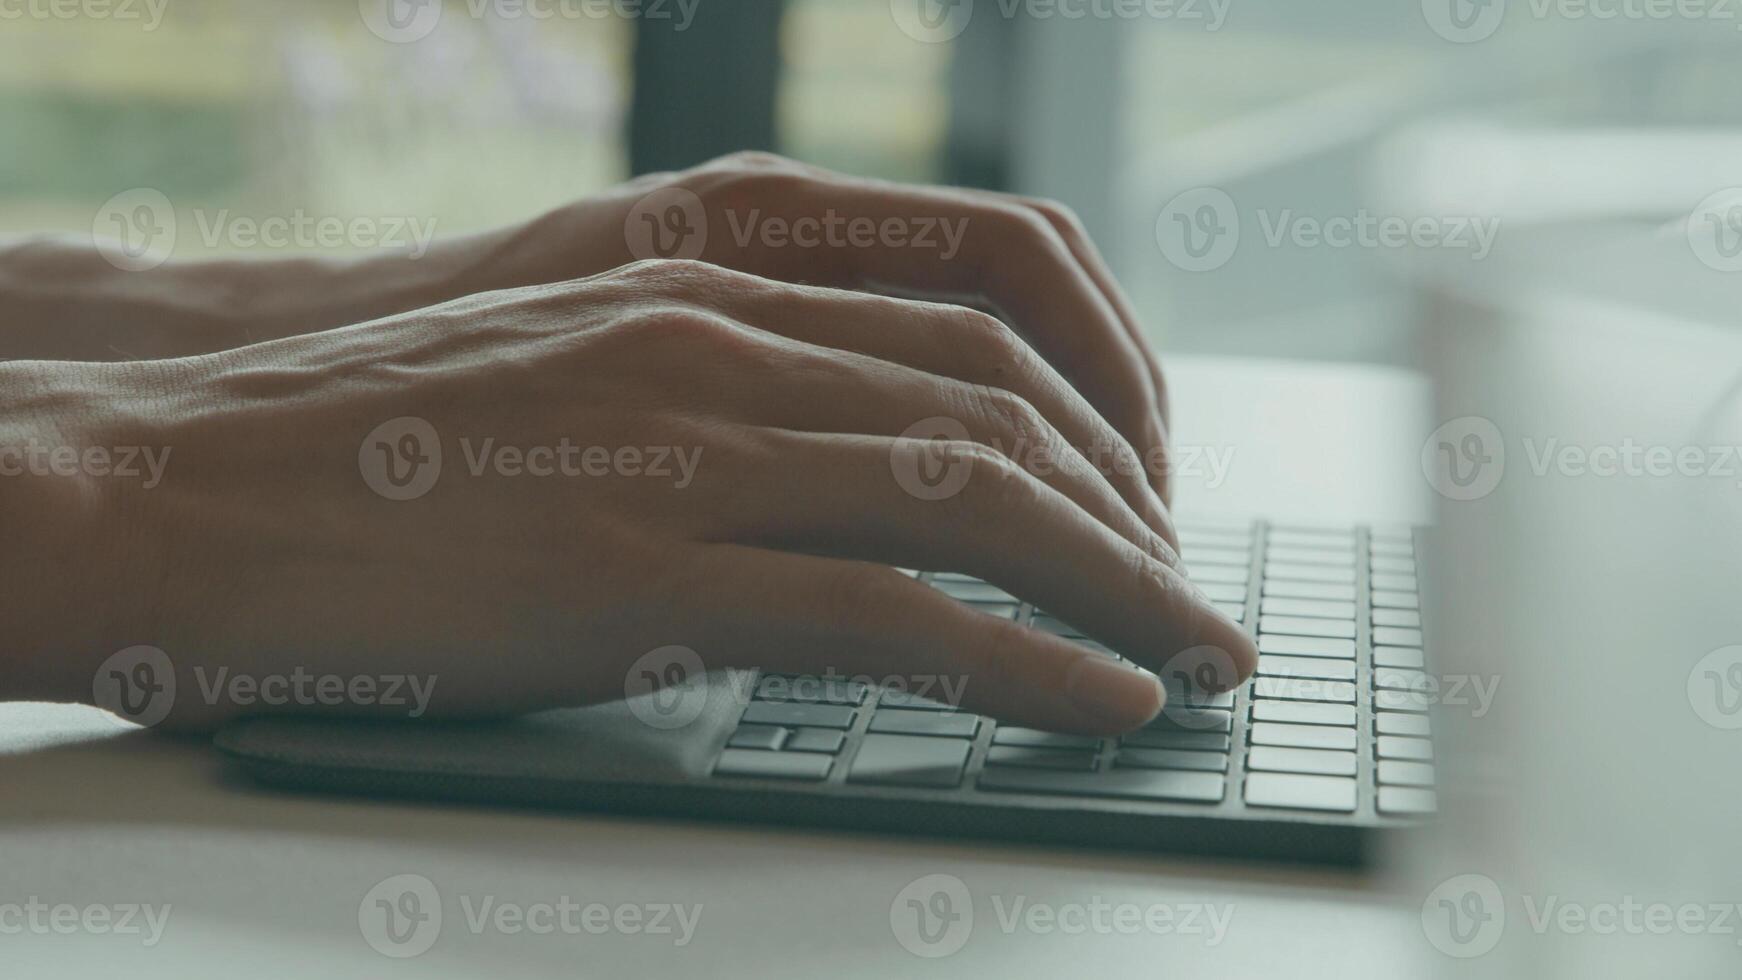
(75,454)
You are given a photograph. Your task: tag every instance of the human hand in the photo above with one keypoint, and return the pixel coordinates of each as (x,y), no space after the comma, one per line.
(765,541)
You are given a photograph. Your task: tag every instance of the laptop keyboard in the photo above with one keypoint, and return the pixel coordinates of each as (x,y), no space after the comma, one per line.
(1335,720)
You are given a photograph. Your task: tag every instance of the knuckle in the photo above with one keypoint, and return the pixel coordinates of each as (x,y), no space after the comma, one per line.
(1157,460)
(742,189)
(1061,216)
(1121,458)
(1015,414)
(998,483)
(985,340)
(1028,226)
(754,160)
(676,273)
(689,329)
(1170,593)
(980,457)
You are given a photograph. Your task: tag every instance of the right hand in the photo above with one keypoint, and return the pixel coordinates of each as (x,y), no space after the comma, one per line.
(268,550)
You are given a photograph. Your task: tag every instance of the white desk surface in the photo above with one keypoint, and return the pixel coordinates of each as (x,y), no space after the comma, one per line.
(266,884)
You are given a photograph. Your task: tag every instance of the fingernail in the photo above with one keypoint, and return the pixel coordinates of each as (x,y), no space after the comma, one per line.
(1110,691)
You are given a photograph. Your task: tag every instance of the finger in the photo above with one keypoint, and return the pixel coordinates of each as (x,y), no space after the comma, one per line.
(868,498)
(818,390)
(946,340)
(1005,253)
(1077,239)
(804,614)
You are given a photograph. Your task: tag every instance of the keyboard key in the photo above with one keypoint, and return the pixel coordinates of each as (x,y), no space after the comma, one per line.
(1397,772)
(1307,646)
(908,699)
(1186,718)
(1131,784)
(1000,610)
(1393,679)
(1194,557)
(1383,599)
(794,714)
(1393,563)
(1099,648)
(1396,617)
(1400,723)
(1310,590)
(1194,698)
(1320,608)
(1222,591)
(1406,801)
(1396,636)
(1304,689)
(1391,548)
(909,760)
(952,577)
(1217,573)
(1233,610)
(1341,557)
(974,592)
(1171,759)
(816,740)
(1197,523)
(1304,713)
(1397,657)
(1026,758)
(1391,532)
(1303,736)
(1269,758)
(1321,668)
(1296,792)
(945,724)
(772,765)
(1309,573)
(1391,582)
(1399,747)
(1214,539)
(1402,700)
(1304,538)
(1034,738)
(1305,626)
(1161,738)
(764,737)
(813,690)
(1057,626)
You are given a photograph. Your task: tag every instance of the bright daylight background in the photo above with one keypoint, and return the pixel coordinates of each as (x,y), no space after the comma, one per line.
(265,107)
